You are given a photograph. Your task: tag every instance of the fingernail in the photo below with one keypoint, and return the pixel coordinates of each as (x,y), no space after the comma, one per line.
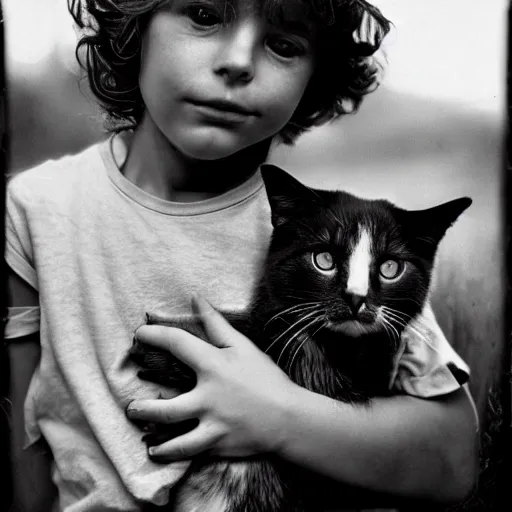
(131,410)
(156,456)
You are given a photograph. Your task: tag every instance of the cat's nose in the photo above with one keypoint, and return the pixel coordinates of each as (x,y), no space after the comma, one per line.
(355,303)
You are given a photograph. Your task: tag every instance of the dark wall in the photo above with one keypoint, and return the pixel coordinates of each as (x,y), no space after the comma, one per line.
(4,371)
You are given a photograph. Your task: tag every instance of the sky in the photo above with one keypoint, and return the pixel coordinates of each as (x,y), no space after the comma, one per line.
(448,49)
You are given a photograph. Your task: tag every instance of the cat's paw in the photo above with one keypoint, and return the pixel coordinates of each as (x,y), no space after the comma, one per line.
(161,367)
(188,322)
(158,434)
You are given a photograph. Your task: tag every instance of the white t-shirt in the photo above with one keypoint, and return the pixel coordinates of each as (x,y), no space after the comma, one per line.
(101,252)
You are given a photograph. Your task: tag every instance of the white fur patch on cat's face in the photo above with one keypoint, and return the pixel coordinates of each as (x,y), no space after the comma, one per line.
(359,265)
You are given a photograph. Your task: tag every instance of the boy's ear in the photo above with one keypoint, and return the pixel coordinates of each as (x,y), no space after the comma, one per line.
(287,196)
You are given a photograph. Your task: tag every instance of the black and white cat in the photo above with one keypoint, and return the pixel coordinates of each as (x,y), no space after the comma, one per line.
(342,278)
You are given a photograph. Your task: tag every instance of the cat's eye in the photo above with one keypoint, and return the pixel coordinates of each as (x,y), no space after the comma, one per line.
(392,269)
(323,261)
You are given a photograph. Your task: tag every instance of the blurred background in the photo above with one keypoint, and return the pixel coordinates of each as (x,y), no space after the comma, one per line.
(433,131)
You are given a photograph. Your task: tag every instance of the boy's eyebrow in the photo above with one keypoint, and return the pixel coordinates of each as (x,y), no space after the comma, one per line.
(298,27)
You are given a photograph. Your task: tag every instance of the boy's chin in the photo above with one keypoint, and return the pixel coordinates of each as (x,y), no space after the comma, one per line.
(209,155)
(209,149)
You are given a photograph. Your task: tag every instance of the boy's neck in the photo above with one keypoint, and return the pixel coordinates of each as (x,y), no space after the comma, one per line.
(159,169)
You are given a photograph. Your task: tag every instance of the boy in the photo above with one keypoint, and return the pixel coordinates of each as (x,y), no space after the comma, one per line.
(197,91)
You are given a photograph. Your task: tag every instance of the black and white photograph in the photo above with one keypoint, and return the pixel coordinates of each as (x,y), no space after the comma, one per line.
(255,256)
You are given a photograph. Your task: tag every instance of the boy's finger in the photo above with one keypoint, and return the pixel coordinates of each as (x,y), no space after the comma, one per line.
(186,446)
(219,331)
(185,346)
(172,410)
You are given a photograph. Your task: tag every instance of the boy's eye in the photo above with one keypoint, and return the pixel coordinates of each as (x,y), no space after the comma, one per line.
(323,261)
(284,47)
(203,16)
(391,270)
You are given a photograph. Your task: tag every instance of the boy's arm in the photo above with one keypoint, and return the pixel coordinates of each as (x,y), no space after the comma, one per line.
(406,446)
(33,490)
(403,446)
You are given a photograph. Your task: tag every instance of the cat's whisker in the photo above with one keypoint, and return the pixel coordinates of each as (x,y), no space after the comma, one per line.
(401,319)
(296,323)
(412,328)
(394,324)
(395,318)
(295,335)
(388,325)
(398,313)
(420,320)
(392,317)
(305,300)
(395,334)
(287,344)
(390,334)
(293,309)
(298,349)
(298,306)
(310,337)
(384,321)
(387,329)
(422,337)
(322,325)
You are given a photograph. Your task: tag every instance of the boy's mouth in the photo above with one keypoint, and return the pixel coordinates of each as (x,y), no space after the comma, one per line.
(223,110)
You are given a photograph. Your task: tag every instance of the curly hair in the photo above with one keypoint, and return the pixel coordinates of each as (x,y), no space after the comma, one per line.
(345,69)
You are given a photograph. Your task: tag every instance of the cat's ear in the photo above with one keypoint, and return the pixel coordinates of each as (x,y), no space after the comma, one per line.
(287,195)
(439,218)
(430,225)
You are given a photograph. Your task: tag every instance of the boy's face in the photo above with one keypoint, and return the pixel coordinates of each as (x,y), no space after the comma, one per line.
(217,77)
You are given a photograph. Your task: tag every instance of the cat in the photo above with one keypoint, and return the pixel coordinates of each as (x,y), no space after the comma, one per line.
(343,277)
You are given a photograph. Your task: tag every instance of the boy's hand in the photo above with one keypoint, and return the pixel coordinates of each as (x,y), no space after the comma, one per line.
(241,398)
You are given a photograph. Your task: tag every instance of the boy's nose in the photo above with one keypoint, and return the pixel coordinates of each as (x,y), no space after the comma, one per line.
(235,61)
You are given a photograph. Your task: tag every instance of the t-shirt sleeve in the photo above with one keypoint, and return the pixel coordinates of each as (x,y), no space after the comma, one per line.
(18,244)
(427,365)
(21,321)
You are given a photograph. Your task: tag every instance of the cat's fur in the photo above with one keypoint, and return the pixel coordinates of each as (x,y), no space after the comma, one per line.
(334,331)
